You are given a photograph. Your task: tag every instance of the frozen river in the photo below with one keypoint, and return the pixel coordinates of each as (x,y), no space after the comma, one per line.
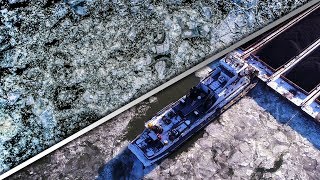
(262,136)
(66,64)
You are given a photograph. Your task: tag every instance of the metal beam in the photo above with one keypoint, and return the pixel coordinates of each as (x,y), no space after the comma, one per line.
(314,94)
(274,34)
(289,65)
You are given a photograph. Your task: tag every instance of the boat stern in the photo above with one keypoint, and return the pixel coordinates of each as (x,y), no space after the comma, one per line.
(139,154)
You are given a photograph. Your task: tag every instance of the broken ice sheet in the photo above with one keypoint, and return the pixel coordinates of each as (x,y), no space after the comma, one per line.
(66,63)
(247,141)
